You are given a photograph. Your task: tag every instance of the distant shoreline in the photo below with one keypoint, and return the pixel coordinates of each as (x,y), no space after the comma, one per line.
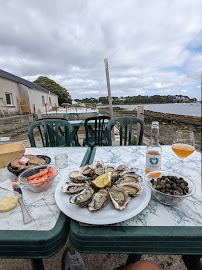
(139,104)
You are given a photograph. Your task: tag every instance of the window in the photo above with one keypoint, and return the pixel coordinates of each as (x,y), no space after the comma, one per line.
(43,100)
(9,99)
(50,101)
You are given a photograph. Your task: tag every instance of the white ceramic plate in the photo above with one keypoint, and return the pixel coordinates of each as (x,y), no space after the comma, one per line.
(107,215)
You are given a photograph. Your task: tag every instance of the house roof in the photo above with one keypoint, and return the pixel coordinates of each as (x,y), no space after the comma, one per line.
(32,85)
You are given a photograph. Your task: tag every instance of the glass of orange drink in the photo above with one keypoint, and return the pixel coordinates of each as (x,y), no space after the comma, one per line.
(183,145)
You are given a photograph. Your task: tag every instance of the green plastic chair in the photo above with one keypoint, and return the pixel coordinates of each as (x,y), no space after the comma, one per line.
(125,129)
(96,131)
(53,132)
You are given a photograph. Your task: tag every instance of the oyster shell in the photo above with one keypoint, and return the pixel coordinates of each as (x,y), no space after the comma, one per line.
(98,166)
(77,177)
(100,200)
(128,178)
(87,170)
(131,171)
(122,168)
(83,198)
(119,198)
(132,188)
(118,171)
(72,188)
(109,168)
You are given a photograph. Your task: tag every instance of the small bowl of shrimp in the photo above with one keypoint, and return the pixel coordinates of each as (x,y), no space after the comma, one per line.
(39,178)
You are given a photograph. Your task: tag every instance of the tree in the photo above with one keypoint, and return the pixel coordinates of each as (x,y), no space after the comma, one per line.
(103,100)
(50,85)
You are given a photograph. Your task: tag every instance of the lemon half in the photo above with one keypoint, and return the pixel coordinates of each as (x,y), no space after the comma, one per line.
(8,204)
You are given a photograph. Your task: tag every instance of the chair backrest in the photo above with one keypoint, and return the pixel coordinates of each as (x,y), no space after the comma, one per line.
(99,128)
(53,132)
(125,129)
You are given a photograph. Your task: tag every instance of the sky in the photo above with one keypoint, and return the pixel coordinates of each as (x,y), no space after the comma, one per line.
(153,47)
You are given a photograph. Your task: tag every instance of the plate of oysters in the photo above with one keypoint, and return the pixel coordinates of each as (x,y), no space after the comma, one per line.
(102,194)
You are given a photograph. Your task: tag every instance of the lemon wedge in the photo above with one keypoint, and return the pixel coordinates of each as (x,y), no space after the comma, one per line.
(99,181)
(8,204)
(16,184)
(108,178)
(103,180)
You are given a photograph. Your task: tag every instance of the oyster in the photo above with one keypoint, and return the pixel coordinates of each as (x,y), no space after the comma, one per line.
(100,200)
(118,171)
(109,168)
(72,188)
(128,178)
(87,170)
(119,198)
(98,166)
(131,171)
(122,168)
(83,198)
(77,177)
(132,188)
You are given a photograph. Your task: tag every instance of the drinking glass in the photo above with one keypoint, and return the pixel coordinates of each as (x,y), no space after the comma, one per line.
(61,160)
(183,145)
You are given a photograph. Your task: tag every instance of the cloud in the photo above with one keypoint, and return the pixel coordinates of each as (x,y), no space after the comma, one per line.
(153,47)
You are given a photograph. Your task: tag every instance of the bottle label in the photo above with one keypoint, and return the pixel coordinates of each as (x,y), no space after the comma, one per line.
(153,162)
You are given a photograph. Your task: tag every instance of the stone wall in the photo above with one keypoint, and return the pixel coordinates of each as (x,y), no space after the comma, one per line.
(82,116)
(15,124)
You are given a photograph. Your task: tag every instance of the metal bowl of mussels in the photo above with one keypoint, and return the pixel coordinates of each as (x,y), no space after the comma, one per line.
(169,188)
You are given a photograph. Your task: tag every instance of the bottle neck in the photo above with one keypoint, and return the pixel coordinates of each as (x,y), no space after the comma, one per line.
(154,139)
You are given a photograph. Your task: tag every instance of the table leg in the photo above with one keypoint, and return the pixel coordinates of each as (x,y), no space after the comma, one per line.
(37,264)
(133,258)
(192,262)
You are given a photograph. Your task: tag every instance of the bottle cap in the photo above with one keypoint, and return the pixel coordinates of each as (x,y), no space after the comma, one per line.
(155,123)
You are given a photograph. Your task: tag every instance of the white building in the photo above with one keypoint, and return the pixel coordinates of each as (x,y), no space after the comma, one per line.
(13,87)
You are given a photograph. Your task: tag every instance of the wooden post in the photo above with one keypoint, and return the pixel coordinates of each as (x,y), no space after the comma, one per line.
(109,94)
(108,88)
(140,115)
(34,109)
(46,107)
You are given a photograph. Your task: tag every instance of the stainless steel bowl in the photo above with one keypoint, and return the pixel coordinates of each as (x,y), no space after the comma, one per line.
(164,198)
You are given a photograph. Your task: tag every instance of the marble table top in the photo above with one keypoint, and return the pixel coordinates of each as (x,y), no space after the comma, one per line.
(187,213)
(42,206)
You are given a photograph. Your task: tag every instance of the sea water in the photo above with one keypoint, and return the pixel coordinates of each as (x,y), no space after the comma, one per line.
(190,109)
